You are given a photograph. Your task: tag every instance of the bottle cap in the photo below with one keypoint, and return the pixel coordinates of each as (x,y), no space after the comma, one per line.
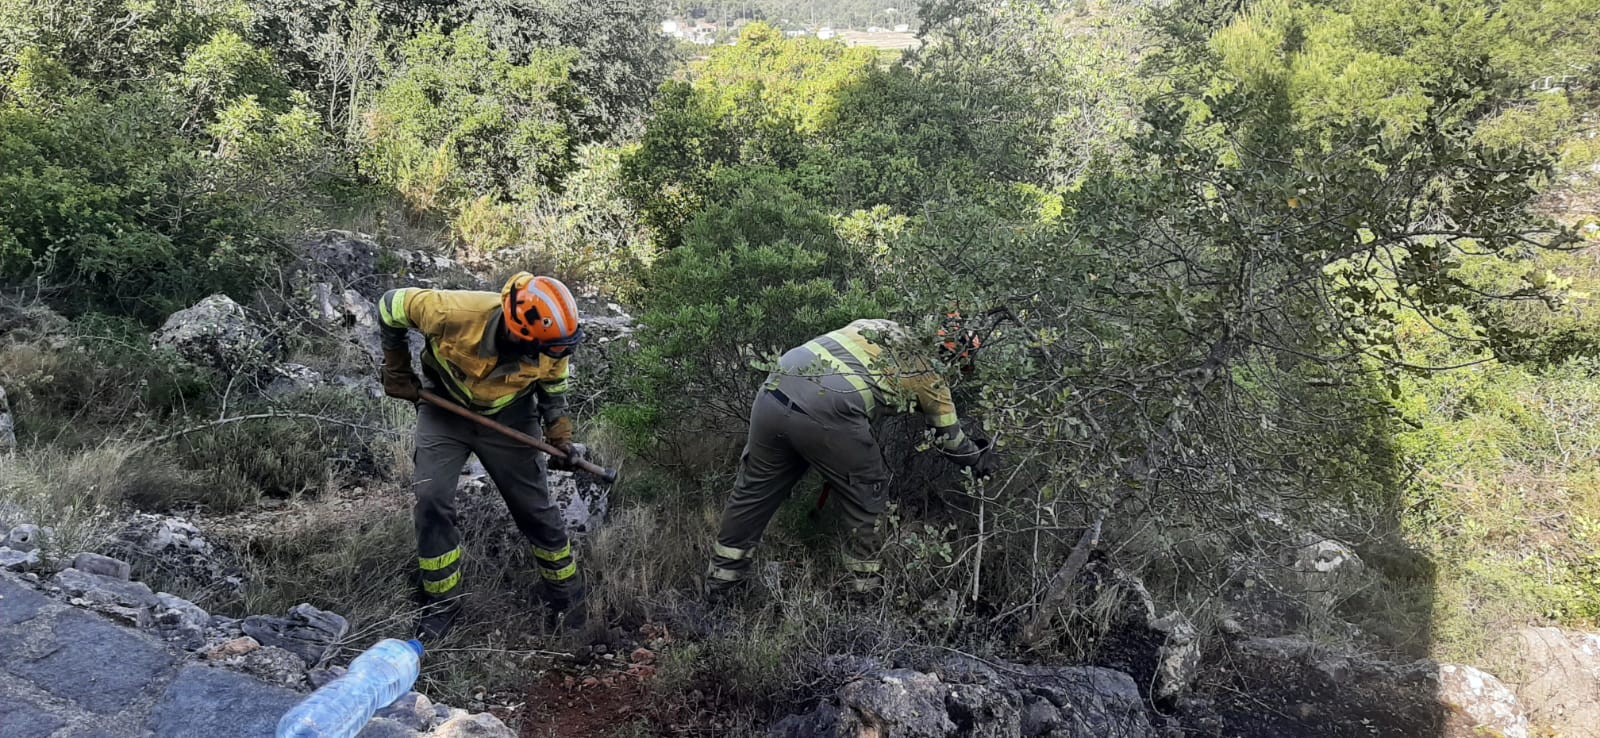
(415,645)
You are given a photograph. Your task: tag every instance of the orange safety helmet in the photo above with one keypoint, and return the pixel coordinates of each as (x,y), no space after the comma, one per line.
(957,343)
(541,311)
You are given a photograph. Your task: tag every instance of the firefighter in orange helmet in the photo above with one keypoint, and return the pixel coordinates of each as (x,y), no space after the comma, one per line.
(507,356)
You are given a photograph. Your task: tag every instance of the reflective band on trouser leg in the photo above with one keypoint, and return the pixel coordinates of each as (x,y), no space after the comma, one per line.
(565,552)
(865,584)
(864,573)
(863,566)
(441,573)
(556,566)
(952,441)
(723,575)
(442,561)
(559,575)
(441,587)
(730,553)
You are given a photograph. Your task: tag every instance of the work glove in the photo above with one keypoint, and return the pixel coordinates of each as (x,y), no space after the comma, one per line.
(575,453)
(559,434)
(399,379)
(988,461)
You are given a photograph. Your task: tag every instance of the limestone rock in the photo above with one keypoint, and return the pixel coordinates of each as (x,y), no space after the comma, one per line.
(583,501)
(105,566)
(204,702)
(24,719)
(216,333)
(347,312)
(233,648)
(1490,706)
(413,710)
(1179,658)
(19,602)
(971,700)
(179,550)
(33,321)
(478,725)
(25,537)
(1328,571)
(356,261)
(321,676)
(307,632)
(180,621)
(78,657)
(129,601)
(291,379)
(1290,686)
(274,666)
(385,728)
(1556,676)
(14,560)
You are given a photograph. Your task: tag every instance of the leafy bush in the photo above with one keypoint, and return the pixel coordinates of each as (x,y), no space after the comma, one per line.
(759,271)
(100,378)
(459,118)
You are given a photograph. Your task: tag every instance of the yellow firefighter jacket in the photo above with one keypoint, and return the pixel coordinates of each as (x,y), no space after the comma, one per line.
(460,327)
(886,369)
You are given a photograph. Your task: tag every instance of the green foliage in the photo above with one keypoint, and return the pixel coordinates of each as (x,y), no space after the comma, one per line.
(114,44)
(811,14)
(1201,313)
(458,118)
(140,177)
(227,68)
(100,378)
(619,57)
(759,271)
(760,102)
(105,203)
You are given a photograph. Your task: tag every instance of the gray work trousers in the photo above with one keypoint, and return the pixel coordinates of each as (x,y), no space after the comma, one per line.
(833,435)
(443,443)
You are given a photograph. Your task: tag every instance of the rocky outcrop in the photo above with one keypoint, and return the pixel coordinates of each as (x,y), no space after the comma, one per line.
(291,379)
(31,322)
(175,547)
(1556,676)
(972,699)
(182,673)
(217,333)
(347,260)
(19,548)
(307,632)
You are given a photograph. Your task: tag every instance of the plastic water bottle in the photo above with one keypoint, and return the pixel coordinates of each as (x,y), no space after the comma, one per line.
(342,707)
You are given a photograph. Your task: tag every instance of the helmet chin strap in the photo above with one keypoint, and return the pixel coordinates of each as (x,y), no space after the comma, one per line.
(508,345)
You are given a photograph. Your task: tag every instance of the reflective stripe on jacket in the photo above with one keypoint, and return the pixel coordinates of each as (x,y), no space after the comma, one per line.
(460,327)
(889,372)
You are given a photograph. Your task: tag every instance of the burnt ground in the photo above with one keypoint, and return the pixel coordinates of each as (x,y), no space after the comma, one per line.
(1248,695)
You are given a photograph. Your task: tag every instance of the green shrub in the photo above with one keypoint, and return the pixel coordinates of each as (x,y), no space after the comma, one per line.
(459,118)
(99,379)
(759,271)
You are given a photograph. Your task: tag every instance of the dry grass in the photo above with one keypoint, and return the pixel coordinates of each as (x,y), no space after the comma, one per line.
(74,493)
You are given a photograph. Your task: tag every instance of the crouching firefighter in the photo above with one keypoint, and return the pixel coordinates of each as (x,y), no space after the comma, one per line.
(815,410)
(505,356)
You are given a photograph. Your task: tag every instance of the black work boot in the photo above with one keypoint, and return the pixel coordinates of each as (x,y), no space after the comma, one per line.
(436,619)
(566,607)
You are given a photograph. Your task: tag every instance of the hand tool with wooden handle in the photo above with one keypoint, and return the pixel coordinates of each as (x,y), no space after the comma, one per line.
(609,476)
